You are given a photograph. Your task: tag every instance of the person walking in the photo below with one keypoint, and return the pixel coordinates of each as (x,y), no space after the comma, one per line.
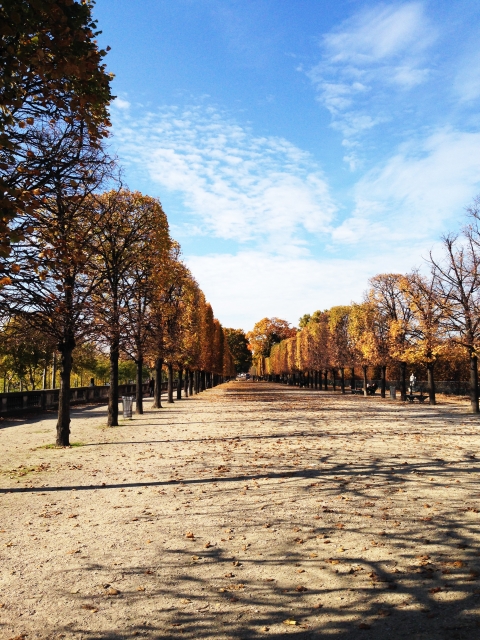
(151,386)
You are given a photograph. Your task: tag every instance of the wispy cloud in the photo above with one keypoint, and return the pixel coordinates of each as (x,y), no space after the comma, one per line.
(370,61)
(234,185)
(416,192)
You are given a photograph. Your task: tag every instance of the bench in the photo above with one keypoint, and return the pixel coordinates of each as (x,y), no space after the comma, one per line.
(371,390)
(412,396)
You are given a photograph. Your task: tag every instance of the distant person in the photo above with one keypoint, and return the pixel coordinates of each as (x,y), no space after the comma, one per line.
(92,382)
(413,383)
(151,386)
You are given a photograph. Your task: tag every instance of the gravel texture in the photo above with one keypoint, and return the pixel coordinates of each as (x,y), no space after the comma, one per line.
(252,510)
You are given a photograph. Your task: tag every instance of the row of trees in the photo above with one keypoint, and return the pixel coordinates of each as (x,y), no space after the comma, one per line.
(429,320)
(85,260)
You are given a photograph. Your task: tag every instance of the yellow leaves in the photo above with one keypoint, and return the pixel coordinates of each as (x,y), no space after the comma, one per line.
(190,535)
(292,623)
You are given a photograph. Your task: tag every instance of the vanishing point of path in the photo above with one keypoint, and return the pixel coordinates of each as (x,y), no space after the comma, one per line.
(253,510)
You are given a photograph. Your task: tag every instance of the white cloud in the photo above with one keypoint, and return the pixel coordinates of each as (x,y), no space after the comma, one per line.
(416,192)
(249,286)
(234,185)
(369,62)
(378,34)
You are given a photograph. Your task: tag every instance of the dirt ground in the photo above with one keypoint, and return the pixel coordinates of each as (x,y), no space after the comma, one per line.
(252,510)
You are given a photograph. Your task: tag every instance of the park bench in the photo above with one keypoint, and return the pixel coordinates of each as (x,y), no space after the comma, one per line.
(371,390)
(416,396)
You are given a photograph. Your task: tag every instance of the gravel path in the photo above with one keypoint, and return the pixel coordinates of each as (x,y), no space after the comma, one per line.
(253,510)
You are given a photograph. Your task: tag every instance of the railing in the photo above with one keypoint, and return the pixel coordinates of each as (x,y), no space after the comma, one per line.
(40,400)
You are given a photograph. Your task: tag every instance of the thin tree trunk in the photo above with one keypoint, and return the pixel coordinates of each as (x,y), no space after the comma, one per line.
(157,390)
(139,387)
(342,379)
(190,383)
(113,389)
(202,381)
(474,382)
(352,378)
(44,377)
(334,380)
(54,370)
(364,367)
(179,384)
(403,381)
(63,422)
(431,383)
(325,380)
(185,387)
(170,384)
(383,384)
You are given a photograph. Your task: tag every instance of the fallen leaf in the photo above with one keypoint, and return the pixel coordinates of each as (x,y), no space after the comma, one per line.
(190,535)
(301,588)
(140,588)
(291,622)
(113,592)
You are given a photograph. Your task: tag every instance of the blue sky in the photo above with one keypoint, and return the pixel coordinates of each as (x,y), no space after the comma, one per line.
(298,146)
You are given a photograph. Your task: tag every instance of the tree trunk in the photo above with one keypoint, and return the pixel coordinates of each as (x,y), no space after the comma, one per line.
(431,383)
(334,380)
(185,388)
(342,379)
(325,380)
(170,384)
(364,367)
(352,378)
(157,391)
(202,381)
(63,422)
(190,383)
(383,384)
(474,382)
(179,384)
(403,381)
(113,389)
(54,370)
(139,387)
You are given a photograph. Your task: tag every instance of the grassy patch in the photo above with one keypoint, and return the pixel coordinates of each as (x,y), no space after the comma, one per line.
(54,446)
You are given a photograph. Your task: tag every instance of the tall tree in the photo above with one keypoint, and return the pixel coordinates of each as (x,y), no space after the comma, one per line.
(386,294)
(238,345)
(51,70)
(127,223)
(426,339)
(457,289)
(50,280)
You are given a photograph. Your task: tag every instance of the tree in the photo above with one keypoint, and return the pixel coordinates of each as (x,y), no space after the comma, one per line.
(425,332)
(266,333)
(238,345)
(386,295)
(51,71)
(340,343)
(457,289)
(50,280)
(127,222)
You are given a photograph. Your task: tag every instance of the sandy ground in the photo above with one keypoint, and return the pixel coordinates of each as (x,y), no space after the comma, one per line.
(249,511)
